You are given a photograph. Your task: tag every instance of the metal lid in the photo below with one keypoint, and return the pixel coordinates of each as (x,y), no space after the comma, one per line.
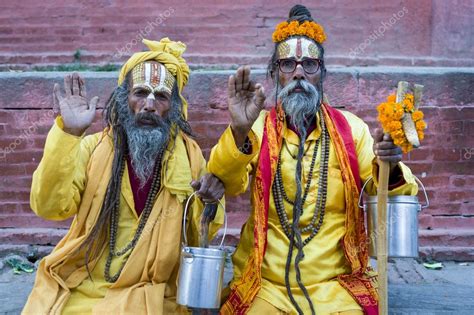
(394,199)
(205,252)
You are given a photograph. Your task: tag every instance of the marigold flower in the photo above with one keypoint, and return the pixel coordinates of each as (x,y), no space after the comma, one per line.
(308,28)
(390,115)
(417,115)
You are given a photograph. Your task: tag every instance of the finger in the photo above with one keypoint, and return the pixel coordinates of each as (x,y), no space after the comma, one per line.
(75,84)
(231,86)
(93,103)
(195,184)
(387,137)
(246,78)
(239,79)
(260,96)
(204,186)
(68,85)
(387,152)
(57,97)
(214,189)
(378,136)
(82,87)
(384,145)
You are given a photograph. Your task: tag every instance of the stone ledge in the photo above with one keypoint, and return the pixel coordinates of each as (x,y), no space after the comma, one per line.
(22,240)
(354,86)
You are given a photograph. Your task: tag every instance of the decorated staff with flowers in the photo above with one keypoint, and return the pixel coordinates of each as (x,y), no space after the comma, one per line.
(304,248)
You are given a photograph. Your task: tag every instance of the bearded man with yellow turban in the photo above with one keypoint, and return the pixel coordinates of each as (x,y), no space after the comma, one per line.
(125,188)
(304,249)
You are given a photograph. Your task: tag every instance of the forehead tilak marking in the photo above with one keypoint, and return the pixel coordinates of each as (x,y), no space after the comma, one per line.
(153,76)
(298,47)
(299,51)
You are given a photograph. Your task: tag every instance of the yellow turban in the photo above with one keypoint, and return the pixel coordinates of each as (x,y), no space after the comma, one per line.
(168,53)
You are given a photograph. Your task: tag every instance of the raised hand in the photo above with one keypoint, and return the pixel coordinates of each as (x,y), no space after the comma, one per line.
(246,100)
(77,113)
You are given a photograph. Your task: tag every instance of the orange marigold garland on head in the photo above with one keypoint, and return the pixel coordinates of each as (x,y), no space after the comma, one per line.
(390,115)
(307,28)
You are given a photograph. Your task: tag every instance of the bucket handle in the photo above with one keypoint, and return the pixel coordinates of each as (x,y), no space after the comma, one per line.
(426,205)
(185,215)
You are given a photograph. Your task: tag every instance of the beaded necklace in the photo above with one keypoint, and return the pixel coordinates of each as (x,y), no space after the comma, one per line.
(156,184)
(279,193)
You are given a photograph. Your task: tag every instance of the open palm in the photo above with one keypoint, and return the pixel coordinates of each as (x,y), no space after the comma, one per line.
(76,111)
(246,100)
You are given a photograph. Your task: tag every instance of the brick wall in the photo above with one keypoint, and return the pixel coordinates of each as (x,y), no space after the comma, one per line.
(225,33)
(445,163)
(427,41)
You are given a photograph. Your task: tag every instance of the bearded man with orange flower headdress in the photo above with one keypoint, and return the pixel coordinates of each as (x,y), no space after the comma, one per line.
(304,248)
(125,188)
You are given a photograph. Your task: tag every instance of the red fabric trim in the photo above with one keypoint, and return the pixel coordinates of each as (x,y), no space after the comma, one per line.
(345,131)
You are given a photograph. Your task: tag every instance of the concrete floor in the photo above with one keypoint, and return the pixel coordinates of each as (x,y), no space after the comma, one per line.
(413,289)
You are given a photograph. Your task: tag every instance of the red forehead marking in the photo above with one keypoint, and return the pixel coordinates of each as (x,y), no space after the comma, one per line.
(299,50)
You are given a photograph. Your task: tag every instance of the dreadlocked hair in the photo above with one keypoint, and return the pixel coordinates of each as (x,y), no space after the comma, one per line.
(99,235)
(301,14)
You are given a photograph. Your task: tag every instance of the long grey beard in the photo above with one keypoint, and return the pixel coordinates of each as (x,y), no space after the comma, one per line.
(144,143)
(301,107)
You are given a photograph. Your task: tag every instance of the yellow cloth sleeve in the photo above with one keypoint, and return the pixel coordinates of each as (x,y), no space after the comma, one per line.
(60,178)
(230,165)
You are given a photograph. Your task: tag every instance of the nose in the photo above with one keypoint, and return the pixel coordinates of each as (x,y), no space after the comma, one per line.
(299,73)
(149,105)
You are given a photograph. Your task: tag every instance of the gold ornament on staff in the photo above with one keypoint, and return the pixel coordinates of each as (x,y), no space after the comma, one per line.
(401,118)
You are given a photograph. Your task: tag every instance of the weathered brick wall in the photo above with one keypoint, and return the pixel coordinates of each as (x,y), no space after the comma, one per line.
(445,163)
(394,36)
(422,32)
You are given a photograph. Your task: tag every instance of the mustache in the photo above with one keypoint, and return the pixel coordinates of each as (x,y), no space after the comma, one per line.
(148,119)
(298,84)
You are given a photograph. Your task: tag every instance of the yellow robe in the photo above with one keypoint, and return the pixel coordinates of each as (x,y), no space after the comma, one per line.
(71,181)
(324,256)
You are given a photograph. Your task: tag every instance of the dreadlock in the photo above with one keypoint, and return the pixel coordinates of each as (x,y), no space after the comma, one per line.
(97,239)
(301,14)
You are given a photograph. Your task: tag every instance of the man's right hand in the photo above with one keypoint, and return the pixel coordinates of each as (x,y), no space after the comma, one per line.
(246,100)
(77,113)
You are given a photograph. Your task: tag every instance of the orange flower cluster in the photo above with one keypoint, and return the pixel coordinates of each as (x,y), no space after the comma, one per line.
(390,116)
(307,28)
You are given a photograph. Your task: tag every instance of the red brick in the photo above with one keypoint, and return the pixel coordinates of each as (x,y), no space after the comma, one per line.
(445,253)
(461,181)
(426,221)
(441,237)
(421,154)
(31,221)
(32,236)
(435,181)
(446,154)
(41,28)
(12,169)
(453,222)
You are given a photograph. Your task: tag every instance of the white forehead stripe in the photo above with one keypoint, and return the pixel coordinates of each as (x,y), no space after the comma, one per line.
(148,73)
(161,85)
(307,48)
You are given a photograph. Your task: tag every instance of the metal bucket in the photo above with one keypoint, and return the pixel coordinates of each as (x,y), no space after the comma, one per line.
(402,223)
(201,273)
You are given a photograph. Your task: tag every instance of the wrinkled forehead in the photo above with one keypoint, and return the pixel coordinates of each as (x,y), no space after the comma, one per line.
(299,48)
(153,76)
